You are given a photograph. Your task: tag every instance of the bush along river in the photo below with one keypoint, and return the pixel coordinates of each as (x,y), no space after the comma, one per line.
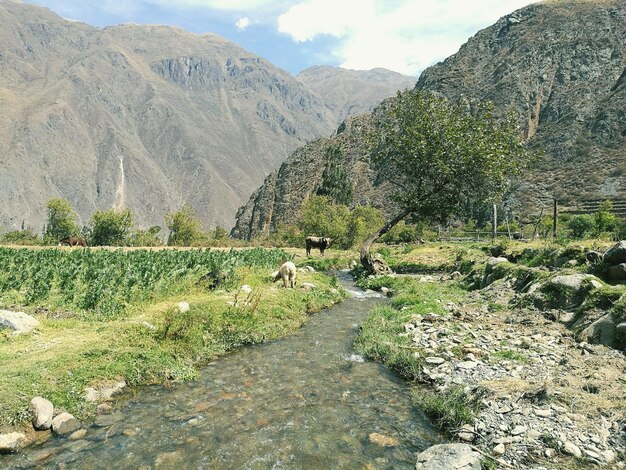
(305,401)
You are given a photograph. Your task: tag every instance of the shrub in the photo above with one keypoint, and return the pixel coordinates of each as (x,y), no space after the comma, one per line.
(110,227)
(185,228)
(61,221)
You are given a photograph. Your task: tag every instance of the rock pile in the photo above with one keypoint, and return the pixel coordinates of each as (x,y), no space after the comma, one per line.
(543,397)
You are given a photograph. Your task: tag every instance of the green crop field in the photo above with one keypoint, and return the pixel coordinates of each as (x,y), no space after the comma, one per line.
(102,283)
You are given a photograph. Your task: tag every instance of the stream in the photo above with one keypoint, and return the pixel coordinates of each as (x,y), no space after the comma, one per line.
(306,401)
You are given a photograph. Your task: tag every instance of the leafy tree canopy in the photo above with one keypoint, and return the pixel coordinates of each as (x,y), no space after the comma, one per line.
(438,155)
(110,227)
(185,228)
(62,220)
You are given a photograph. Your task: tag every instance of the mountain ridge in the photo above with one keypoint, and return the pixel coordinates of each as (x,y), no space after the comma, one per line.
(558,64)
(144,117)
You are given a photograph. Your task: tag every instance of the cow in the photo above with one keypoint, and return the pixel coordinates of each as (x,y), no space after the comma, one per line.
(287,273)
(317,242)
(73,241)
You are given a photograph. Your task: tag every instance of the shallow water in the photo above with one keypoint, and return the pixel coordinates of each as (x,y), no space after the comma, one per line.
(306,401)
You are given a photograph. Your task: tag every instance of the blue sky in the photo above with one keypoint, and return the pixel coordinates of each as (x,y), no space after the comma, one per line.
(402,35)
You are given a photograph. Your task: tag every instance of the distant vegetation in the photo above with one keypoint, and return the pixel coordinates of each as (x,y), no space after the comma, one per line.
(117,228)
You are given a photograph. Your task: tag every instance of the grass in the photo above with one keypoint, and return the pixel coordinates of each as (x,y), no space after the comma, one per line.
(510,355)
(448,410)
(151,343)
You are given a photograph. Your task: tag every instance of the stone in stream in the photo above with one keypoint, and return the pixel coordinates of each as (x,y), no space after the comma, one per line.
(65,423)
(11,442)
(42,411)
(383,441)
(448,457)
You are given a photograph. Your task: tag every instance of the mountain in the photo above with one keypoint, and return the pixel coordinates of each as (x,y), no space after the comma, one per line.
(144,117)
(353,92)
(560,64)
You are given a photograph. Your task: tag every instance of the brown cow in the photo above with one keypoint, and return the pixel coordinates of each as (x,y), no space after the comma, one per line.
(317,242)
(74,241)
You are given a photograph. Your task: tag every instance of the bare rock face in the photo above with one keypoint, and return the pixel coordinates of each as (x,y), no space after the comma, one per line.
(143,117)
(42,411)
(560,65)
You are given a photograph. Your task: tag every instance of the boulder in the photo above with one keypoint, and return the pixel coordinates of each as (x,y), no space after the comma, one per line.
(617,272)
(42,411)
(601,331)
(593,257)
(566,291)
(19,322)
(11,442)
(448,457)
(65,423)
(616,254)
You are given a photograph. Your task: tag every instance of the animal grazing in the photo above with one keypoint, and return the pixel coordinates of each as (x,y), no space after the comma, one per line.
(317,242)
(73,241)
(287,273)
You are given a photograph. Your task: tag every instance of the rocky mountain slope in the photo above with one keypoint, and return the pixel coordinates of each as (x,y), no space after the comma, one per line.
(560,64)
(144,117)
(353,92)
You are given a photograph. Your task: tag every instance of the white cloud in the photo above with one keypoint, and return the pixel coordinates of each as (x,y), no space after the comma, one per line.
(243,23)
(402,35)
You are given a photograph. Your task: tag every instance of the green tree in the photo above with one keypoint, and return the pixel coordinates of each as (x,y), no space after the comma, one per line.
(149,237)
(320,217)
(185,228)
(363,222)
(582,225)
(605,220)
(110,227)
(438,155)
(61,221)
(220,233)
(335,182)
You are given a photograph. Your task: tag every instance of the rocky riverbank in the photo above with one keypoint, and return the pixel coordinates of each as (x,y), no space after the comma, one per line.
(515,344)
(545,398)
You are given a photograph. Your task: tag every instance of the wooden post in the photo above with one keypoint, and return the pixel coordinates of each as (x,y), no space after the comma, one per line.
(555,219)
(508,226)
(495,223)
(477,235)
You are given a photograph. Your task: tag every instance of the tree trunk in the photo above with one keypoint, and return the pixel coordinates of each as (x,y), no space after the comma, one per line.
(377,265)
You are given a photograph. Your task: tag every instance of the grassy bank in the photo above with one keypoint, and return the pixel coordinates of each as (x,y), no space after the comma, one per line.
(145,339)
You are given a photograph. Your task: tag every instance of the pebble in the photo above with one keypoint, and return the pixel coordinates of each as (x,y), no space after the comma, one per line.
(434,360)
(543,413)
(518,430)
(571,449)
(500,449)
(76,435)
(466,365)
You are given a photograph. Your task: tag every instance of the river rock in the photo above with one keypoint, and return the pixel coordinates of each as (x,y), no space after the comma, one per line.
(616,254)
(448,457)
(42,411)
(11,442)
(500,449)
(104,390)
(383,441)
(65,423)
(77,435)
(19,322)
